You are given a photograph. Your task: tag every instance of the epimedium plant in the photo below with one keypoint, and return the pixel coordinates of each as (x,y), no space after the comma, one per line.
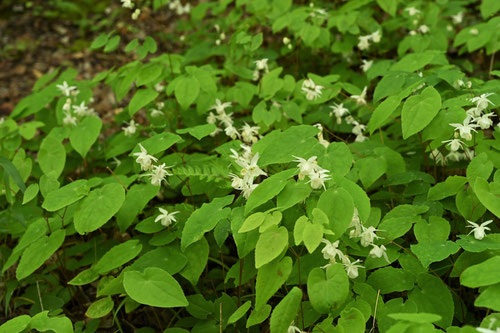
(294,167)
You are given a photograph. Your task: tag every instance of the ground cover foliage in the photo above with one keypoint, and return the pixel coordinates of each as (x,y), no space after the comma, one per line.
(293,167)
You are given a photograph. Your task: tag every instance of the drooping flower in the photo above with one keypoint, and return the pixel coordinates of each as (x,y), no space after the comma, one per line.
(465,129)
(484,121)
(412,11)
(368,235)
(311,89)
(367,64)
(351,268)
(250,133)
(220,107)
(136,14)
(479,230)
(364,42)
(127,4)
(454,144)
(482,101)
(69,119)
(423,29)
(376,36)
(306,167)
(378,252)
(144,159)
(339,111)
(331,250)
(158,174)
(165,217)
(360,99)
(130,129)
(261,64)
(457,18)
(437,156)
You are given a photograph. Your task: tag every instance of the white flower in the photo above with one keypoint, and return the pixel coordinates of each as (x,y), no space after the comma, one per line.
(412,32)
(250,169)
(211,118)
(261,64)
(220,107)
(248,188)
(82,110)
(156,113)
(159,87)
(457,19)
(130,129)
(127,4)
(225,119)
(286,40)
(484,121)
(474,112)
(165,217)
(232,132)
(356,223)
(437,156)
(67,105)
(482,101)
(423,29)
(364,42)
(331,251)
(360,99)
(412,11)
(358,128)
(65,88)
(136,13)
(311,89)
(360,138)
(339,111)
(376,36)
(378,252)
(306,167)
(368,235)
(69,119)
(249,133)
(474,31)
(318,178)
(455,144)
(465,129)
(352,268)
(367,64)
(479,230)
(454,156)
(236,182)
(158,174)
(144,159)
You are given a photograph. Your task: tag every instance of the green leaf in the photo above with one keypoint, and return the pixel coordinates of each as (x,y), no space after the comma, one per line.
(419,110)
(83,135)
(270,278)
(429,252)
(30,193)
(489,298)
(268,189)
(414,61)
(158,143)
(239,313)
(15,325)
(112,44)
(98,207)
(271,83)
(138,196)
(258,315)
(270,245)
(327,290)
(352,320)
(84,277)
(149,73)
(66,195)
(142,97)
(488,194)
(371,169)
(389,6)
(117,256)
(169,258)
(483,274)
(416,317)
(100,308)
(312,236)
(292,194)
(100,41)
(186,91)
(390,279)
(154,287)
(41,322)
(38,252)
(51,156)
(197,257)
(382,112)
(450,187)
(489,8)
(438,230)
(480,166)
(284,313)
(433,296)
(340,219)
(200,131)
(205,219)
(338,159)
(252,222)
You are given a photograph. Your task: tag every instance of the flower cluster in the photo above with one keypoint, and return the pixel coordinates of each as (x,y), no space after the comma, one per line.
(367,236)
(358,129)
(179,9)
(331,252)
(476,118)
(73,111)
(364,41)
(250,170)
(311,89)
(225,120)
(158,172)
(130,5)
(310,168)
